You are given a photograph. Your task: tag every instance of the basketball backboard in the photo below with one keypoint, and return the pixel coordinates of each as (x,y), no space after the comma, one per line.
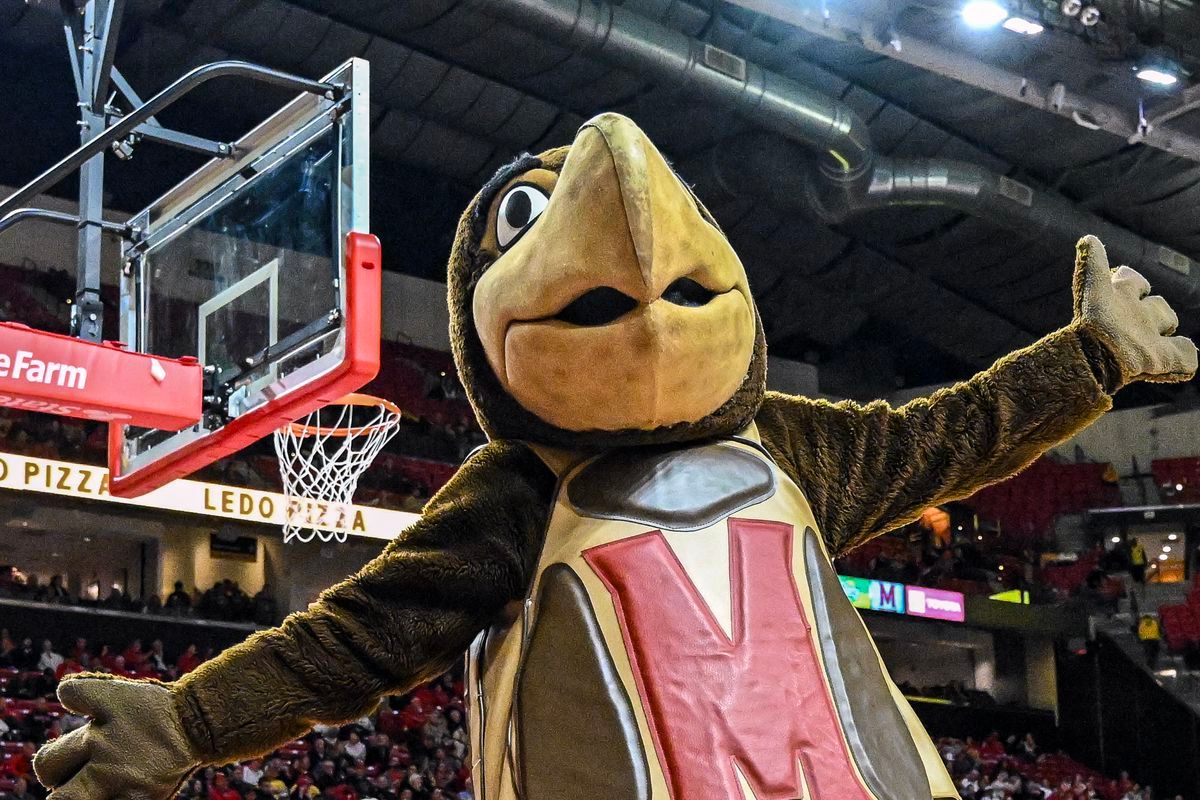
(259,266)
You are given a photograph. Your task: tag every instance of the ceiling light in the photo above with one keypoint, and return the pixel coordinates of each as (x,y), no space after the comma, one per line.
(1158,77)
(1116,540)
(1179,487)
(1071,8)
(983,13)
(1022,25)
(1089,16)
(1162,556)
(1166,548)
(1172,537)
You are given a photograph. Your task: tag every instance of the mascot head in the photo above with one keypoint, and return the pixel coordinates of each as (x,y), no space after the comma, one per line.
(595,303)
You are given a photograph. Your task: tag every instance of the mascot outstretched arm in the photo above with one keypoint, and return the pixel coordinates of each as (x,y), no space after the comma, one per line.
(639,560)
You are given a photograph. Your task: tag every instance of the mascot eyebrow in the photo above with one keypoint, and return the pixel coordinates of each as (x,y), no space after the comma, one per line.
(524,163)
(483,205)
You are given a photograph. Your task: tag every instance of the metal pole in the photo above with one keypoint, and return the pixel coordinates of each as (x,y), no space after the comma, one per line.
(93,39)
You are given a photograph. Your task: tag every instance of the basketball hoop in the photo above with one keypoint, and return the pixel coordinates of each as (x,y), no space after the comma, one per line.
(321,458)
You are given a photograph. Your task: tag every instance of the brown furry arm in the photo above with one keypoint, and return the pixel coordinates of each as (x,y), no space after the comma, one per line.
(868,469)
(401,620)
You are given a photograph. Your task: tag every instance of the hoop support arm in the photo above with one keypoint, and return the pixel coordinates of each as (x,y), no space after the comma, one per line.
(56,374)
(119,130)
(58,217)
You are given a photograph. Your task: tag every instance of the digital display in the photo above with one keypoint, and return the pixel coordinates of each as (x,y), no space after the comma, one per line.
(898,598)
(858,590)
(936,604)
(887,596)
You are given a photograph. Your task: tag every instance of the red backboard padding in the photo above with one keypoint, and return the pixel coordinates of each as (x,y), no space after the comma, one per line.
(56,374)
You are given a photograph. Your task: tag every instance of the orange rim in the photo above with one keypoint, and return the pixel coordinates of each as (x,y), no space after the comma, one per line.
(352,399)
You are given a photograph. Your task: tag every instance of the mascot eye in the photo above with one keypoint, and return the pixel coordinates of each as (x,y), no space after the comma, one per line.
(520,208)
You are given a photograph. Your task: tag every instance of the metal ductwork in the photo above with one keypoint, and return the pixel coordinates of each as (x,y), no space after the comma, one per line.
(849,177)
(766,166)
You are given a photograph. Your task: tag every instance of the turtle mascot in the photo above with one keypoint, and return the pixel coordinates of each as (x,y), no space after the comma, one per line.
(638,561)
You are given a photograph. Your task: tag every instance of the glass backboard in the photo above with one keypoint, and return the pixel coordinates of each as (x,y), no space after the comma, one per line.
(252,266)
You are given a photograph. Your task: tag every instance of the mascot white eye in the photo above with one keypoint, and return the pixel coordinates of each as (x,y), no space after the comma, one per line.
(519,209)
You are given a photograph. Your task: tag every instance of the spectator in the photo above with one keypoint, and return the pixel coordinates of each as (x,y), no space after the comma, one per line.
(220,788)
(157,660)
(115,600)
(49,660)
(355,748)
(19,791)
(188,661)
(270,784)
(1150,636)
(20,763)
(25,657)
(55,592)
(1137,561)
(179,601)
(251,772)
(1027,749)
(135,657)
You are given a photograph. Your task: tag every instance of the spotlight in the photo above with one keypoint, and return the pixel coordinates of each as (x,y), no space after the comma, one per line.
(983,14)
(1157,77)
(1022,25)
(1071,8)
(1089,16)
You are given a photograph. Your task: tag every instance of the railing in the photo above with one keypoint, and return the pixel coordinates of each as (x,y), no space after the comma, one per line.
(63,624)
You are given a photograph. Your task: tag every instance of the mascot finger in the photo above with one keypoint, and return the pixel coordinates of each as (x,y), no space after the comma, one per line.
(1130,281)
(1183,356)
(58,760)
(86,696)
(86,785)
(1163,314)
(1092,283)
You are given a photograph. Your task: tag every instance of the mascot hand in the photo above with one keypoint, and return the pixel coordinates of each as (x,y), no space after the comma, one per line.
(133,747)
(1115,304)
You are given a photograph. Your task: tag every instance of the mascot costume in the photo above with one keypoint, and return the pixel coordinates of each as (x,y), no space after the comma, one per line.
(639,559)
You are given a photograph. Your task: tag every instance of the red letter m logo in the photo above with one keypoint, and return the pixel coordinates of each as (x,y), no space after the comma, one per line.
(755,705)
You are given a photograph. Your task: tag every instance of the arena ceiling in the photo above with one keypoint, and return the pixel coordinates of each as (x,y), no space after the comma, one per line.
(923,281)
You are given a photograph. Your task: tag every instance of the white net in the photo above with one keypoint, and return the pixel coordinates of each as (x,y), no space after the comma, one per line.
(321,458)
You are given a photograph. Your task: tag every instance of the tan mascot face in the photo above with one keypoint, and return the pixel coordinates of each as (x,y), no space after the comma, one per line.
(594,302)
(597,314)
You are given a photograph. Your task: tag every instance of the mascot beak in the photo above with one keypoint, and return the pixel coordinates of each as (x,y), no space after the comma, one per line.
(622,306)
(655,204)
